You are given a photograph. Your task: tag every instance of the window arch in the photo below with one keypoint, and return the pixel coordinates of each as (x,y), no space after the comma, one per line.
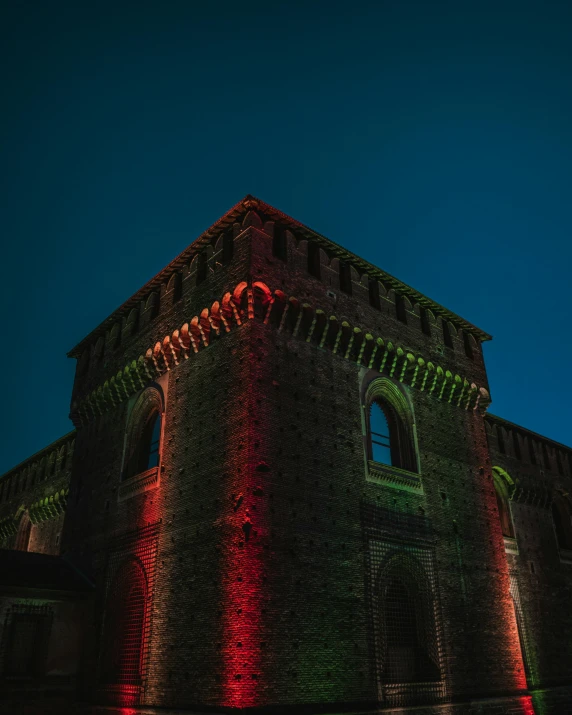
(502,483)
(124,626)
(143,446)
(562,518)
(24,532)
(389,426)
(406,630)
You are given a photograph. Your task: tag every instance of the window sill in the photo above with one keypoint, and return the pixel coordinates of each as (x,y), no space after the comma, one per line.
(394,477)
(510,545)
(565,556)
(138,484)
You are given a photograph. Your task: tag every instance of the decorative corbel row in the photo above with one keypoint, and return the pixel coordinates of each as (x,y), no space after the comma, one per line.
(287,315)
(168,353)
(49,508)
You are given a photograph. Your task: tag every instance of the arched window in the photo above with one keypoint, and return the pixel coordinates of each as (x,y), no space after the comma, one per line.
(390,433)
(562,518)
(146,452)
(407,638)
(143,444)
(504,514)
(502,483)
(379,435)
(124,626)
(24,532)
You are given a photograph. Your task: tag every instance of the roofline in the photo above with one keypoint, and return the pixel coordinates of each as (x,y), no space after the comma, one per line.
(525,429)
(37,454)
(227,219)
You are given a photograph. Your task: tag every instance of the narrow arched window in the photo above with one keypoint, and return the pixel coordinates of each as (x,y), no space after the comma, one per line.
(148,447)
(314,259)
(379,433)
(562,518)
(24,532)
(155,429)
(389,424)
(227,246)
(504,513)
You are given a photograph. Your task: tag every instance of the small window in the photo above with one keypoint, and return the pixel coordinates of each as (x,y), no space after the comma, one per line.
(177,287)
(500,440)
(279,246)
(374,299)
(447,339)
(345,278)
(400,309)
(132,324)
(153,305)
(467,344)
(425,325)
(516,444)
(227,246)
(115,337)
(531,452)
(545,457)
(202,267)
(313,259)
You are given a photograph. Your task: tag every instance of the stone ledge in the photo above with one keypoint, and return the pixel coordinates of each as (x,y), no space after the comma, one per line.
(565,556)
(139,484)
(510,545)
(394,477)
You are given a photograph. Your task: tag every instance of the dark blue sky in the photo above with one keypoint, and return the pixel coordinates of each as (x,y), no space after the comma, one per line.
(432,138)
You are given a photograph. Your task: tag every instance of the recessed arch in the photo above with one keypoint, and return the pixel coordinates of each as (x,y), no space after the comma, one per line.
(406,639)
(124,625)
(562,519)
(390,429)
(144,433)
(504,486)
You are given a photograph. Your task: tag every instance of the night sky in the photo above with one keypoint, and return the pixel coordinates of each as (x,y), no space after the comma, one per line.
(434,139)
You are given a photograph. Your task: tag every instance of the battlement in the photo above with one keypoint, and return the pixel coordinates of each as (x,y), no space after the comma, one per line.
(292,242)
(518,443)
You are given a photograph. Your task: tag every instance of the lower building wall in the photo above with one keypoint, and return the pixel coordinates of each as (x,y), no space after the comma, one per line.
(41,647)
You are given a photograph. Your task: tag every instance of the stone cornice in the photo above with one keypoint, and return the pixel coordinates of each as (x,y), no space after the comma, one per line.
(257,301)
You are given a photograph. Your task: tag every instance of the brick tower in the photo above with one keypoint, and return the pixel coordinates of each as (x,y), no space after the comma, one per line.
(282,489)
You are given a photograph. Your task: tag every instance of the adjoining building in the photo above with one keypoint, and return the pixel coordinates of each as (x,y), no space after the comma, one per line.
(284,491)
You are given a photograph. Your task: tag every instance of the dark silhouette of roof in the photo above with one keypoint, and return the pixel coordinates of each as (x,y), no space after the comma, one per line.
(25,569)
